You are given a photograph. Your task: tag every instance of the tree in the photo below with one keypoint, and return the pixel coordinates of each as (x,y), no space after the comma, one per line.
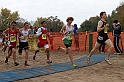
(52,23)
(37,23)
(6,17)
(90,25)
(120,14)
(20,22)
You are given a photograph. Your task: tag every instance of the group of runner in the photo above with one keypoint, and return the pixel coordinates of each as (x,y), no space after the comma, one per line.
(13,34)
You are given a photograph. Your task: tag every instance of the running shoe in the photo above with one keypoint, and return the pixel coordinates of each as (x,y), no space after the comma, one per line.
(107,60)
(26,64)
(16,64)
(74,65)
(88,59)
(49,62)
(6,61)
(119,53)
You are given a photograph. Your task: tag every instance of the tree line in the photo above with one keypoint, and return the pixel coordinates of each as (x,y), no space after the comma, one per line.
(117,14)
(54,23)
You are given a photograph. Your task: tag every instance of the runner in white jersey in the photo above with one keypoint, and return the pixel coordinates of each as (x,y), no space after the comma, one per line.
(67,31)
(23,43)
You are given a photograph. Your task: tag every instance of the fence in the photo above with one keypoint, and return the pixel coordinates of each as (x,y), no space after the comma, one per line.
(56,40)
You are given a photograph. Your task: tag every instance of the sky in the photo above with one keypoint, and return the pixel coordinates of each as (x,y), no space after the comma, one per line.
(80,10)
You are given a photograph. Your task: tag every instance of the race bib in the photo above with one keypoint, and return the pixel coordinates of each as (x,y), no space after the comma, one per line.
(25,37)
(105,30)
(44,36)
(69,37)
(12,38)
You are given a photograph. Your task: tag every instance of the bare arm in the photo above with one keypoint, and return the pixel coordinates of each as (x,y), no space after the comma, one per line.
(100,23)
(62,31)
(4,32)
(19,31)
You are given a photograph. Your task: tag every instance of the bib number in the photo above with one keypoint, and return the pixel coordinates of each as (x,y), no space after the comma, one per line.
(69,37)
(44,36)
(12,38)
(25,37)
(105,30)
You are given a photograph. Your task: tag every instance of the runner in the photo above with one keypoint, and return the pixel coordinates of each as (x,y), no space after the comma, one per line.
(102,37)
(5,43)
(12,38)
(67,31)
(117,35)
(42,41)
(23,42)
(76,37)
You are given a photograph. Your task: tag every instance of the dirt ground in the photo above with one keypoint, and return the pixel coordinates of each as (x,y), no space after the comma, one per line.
(101,72)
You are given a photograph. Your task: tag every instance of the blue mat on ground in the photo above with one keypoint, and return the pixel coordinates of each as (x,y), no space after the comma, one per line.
(14,75)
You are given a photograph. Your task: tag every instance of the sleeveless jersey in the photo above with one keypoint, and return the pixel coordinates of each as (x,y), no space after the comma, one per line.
(103,33)
(12,36)
(43,37)
(25,35)
(69,34)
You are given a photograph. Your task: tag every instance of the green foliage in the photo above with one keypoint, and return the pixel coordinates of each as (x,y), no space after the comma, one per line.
(117,14)
(52,23)
(89,25)
(120,14)
(6,17)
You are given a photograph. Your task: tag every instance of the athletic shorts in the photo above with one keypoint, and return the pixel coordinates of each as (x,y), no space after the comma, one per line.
(101,40)
(23,45)
(45,46)
(67,43)
(11,47)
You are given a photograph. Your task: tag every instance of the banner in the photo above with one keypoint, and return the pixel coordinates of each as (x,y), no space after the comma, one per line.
(32,43)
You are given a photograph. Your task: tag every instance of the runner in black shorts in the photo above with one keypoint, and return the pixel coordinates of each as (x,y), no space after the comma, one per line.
(23,42)
(22,45)
(102,37)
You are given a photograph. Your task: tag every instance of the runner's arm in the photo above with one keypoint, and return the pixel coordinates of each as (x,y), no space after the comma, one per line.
(19,31)
(62,31)
(4,32)
(39,32)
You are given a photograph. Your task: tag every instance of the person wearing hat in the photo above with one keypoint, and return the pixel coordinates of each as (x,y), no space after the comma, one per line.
(76,37)
(116,33)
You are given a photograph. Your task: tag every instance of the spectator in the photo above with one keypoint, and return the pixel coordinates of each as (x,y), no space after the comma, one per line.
(76,37)
(116,33)
(31,31)
(35,30)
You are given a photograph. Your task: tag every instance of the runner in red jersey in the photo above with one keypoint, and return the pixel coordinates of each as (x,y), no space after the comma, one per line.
(12,38)
(42,41)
